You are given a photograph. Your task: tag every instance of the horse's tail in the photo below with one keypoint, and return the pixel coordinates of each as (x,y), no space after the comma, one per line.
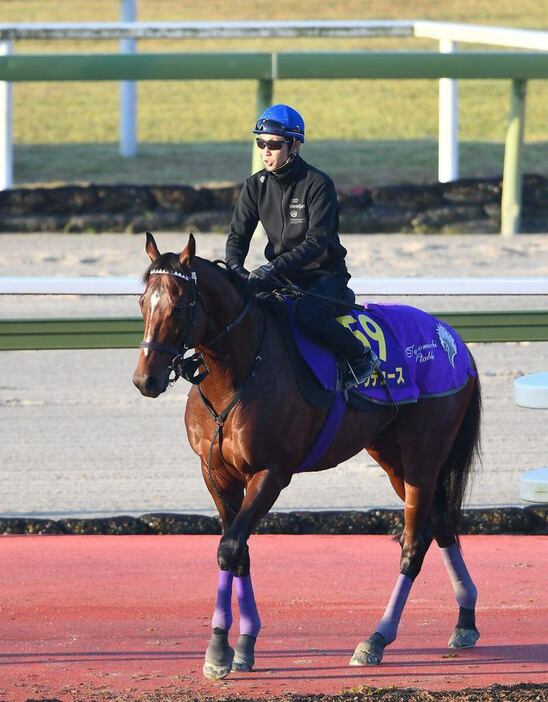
(457,468)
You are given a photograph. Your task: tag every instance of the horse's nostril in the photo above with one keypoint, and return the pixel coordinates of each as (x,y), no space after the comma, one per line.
(147,384)
(151,385)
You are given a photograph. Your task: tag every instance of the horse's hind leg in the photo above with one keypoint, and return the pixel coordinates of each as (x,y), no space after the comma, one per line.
(415,541)
(386,451)
(465,633)
(418,490)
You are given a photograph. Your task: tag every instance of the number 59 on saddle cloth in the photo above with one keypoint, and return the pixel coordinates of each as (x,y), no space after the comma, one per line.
(420,355)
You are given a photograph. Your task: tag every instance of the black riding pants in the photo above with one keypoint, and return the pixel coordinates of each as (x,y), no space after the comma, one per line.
(317,317)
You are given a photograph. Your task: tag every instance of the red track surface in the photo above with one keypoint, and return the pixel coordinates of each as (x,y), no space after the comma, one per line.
(81,613)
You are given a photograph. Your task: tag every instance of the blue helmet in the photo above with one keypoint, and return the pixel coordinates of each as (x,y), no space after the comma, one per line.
(282,120)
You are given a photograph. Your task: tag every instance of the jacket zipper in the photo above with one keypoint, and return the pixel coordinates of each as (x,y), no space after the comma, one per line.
(282,215)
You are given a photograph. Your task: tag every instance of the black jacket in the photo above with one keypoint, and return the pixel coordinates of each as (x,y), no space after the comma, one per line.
(297,207)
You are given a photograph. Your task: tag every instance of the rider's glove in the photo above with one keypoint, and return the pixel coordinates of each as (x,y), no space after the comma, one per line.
(263,274)
(241,271)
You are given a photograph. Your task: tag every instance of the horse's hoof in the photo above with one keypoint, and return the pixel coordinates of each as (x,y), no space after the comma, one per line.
(241,666)
(216,672)
(463,638)
(218,657)
(369,652)
(244,654)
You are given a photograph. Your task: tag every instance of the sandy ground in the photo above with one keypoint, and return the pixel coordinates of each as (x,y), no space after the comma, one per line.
(78,439)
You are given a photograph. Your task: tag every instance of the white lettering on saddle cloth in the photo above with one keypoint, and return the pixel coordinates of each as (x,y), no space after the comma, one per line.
(422,353)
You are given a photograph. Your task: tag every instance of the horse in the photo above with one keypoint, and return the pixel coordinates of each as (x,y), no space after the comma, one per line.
(250,426)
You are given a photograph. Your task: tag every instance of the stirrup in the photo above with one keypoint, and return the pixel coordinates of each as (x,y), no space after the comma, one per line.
(351,379)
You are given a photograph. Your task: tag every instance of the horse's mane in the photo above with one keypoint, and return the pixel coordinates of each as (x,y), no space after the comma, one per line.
(230,275)
(170,262)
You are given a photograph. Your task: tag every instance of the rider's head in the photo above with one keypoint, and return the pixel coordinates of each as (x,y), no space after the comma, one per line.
(279,124)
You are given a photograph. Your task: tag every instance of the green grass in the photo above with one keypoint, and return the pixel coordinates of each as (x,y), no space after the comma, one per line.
(350,163)
(196,131)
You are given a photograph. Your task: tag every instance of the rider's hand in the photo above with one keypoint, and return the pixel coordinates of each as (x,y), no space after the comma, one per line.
(263,274)
(241,271)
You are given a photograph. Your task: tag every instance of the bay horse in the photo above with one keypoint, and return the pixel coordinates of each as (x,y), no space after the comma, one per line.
(250,426)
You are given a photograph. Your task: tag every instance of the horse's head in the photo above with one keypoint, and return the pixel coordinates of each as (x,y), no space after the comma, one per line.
(174,320)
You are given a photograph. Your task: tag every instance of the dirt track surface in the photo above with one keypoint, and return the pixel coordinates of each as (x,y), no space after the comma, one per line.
(493,693)
(129,617)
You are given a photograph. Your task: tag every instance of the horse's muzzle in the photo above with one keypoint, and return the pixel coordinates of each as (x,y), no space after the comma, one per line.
(150,385)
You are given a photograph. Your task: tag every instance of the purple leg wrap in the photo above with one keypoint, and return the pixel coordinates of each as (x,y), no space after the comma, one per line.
(465,590)
(250,623)
(222,616)
(388,625)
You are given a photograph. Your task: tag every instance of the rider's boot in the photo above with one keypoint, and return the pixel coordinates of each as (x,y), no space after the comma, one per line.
(359,369)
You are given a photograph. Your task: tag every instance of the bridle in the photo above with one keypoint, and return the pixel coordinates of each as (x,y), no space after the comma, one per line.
(182,366)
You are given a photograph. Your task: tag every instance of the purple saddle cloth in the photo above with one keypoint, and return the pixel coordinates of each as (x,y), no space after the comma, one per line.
(420,355)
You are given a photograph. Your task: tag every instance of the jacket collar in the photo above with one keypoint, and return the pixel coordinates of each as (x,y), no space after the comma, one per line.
(288,171)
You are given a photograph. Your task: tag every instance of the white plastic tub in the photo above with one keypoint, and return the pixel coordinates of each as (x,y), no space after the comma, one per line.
(532,391)
(533,485)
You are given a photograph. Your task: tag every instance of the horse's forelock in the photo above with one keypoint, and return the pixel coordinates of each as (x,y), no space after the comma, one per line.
(167,262)
(171,263)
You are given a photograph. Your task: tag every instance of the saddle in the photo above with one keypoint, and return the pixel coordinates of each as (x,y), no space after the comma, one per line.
(421,356)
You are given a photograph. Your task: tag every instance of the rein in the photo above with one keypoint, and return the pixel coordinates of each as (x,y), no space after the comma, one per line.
(286,284)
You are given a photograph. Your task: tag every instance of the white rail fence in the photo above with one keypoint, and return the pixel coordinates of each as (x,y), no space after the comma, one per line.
(129,31)
(31,285)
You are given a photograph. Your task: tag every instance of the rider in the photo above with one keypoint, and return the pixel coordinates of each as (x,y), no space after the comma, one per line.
(297,206)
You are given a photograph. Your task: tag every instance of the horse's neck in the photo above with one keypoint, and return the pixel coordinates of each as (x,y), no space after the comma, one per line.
(231,357)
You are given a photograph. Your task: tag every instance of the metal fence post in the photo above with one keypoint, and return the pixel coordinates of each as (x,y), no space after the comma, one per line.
(128,89)
(512,176)
(448,130)
(6,119)
(265,91)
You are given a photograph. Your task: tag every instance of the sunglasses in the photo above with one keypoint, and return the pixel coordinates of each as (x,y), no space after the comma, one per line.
(271,145)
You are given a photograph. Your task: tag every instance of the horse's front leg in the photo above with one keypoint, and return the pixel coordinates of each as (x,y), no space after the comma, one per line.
(262,490)
(219,654)
(250,622)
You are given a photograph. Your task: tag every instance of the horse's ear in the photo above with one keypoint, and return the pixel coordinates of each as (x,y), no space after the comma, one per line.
(151,248)
(187,254)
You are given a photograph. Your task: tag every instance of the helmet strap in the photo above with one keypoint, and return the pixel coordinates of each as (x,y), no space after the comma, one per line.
(292,153)
(290,158)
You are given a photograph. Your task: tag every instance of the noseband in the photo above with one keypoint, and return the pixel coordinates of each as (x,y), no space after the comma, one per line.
(182,366)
